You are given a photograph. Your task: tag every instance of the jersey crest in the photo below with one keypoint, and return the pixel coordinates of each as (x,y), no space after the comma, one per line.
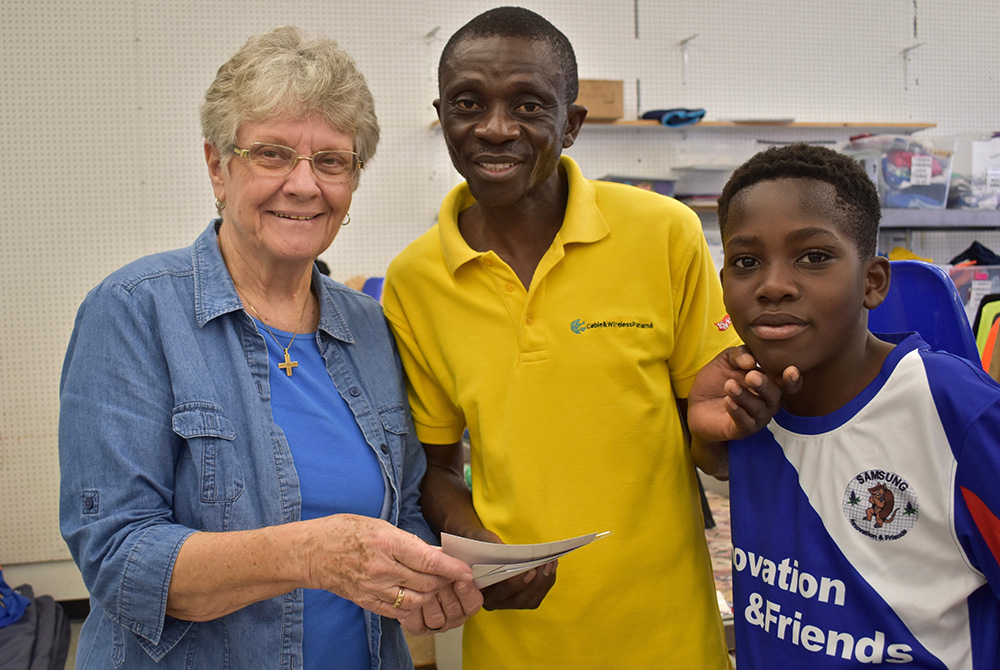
(881,505)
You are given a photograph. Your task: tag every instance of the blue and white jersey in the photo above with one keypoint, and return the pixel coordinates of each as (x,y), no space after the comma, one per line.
(871,535)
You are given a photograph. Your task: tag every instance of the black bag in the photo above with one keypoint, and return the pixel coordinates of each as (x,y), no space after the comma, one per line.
(39,639)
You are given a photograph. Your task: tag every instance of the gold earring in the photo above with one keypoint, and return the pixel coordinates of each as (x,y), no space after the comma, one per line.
(348,219)
(220,205)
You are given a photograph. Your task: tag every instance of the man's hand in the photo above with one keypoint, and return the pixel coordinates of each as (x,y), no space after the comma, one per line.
(521,592)
(731,399)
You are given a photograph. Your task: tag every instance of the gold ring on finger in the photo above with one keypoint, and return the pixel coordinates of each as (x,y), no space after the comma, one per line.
(399,597)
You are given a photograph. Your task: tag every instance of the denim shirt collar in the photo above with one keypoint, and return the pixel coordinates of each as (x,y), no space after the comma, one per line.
(215,293)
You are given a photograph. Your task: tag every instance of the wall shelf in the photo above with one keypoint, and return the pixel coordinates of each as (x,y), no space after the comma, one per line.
(939,218)
(873,127)
(908,219)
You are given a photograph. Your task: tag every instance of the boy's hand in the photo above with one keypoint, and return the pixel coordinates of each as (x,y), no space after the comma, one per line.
(731,399)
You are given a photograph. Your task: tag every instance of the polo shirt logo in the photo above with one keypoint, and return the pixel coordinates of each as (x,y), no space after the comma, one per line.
(579,325)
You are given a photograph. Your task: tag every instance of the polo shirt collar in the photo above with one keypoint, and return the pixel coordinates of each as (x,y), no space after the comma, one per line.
(583,222)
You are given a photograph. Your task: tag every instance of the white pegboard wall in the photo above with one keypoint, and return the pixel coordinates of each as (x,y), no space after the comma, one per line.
(810,61)
(104,154)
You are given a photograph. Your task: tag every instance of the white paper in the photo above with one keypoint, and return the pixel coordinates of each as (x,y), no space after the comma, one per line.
(993,179)
(921,170)
(492,563)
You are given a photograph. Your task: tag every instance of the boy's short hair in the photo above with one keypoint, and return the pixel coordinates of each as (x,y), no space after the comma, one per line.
(520,22)
(859,208)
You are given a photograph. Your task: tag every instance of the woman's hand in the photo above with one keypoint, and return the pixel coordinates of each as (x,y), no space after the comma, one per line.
(731,399)
(454,604)
(368,561)
(378,566)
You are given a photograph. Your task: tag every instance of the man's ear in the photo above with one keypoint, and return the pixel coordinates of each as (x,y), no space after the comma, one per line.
(437,107)
(877,275)
(575,114)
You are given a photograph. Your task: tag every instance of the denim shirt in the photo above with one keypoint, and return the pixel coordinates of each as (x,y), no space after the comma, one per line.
(165,429)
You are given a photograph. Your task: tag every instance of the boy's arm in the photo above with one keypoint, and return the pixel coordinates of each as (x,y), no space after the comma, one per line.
(709,456)
(731,399)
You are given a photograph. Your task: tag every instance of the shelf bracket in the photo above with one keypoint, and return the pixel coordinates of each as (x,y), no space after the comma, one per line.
(685,49)
(906,64)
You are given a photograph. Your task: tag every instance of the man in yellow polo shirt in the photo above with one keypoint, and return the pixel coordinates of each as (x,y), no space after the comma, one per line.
(560,320)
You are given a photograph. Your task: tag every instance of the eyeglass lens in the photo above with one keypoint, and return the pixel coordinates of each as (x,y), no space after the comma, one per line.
(278,159)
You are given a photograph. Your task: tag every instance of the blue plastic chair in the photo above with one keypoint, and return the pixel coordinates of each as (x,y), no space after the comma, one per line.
(373,287)
(923,298)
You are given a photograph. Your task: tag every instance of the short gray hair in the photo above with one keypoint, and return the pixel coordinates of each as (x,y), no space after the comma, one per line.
(285,73)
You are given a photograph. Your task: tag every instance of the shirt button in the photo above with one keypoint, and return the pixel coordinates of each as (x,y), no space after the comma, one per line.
(509,287)
(355,391)
(529,319)
(488,263)
(385,448)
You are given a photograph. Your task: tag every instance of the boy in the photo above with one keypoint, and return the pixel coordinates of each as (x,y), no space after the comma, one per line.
(864,514)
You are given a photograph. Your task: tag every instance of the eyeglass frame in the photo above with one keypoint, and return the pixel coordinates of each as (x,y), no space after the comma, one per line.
(245,153)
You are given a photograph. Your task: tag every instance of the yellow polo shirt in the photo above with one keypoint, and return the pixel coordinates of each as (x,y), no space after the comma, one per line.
(568,390)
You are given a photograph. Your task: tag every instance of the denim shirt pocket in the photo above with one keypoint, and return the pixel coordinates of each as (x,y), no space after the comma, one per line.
(210,436)
(395,429)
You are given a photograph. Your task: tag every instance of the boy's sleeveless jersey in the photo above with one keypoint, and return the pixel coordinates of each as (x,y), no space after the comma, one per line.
(870,535)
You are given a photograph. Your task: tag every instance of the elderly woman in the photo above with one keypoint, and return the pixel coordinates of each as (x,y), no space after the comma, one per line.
(239,471)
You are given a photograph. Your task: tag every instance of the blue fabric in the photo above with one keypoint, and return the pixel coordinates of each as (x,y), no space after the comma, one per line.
(338,473)
(12,603)
(166,428)
(675,117)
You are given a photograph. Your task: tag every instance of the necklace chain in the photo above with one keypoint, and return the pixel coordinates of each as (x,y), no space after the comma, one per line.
(289,363)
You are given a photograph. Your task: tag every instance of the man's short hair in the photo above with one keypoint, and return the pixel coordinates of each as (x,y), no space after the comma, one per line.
(858,207)
(519,22)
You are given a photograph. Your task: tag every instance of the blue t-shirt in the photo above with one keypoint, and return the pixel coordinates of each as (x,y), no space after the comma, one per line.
(339,473)
(870,535)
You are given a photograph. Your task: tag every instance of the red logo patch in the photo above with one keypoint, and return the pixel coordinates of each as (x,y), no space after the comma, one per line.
(724,324)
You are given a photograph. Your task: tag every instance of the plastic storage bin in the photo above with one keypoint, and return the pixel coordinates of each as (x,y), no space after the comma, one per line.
(911,173)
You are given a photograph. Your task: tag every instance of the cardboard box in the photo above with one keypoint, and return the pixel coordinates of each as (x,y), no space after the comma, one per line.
(602,98)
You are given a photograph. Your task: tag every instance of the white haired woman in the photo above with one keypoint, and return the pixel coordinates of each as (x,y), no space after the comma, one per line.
(239,470)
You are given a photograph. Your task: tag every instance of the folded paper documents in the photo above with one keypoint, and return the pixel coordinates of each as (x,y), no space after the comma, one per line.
(492,563)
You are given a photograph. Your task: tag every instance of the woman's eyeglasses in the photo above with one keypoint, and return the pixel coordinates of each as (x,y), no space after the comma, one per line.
(276,160)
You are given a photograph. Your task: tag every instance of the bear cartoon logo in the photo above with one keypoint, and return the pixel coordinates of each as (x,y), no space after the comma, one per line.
(892,508)
(883,503)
